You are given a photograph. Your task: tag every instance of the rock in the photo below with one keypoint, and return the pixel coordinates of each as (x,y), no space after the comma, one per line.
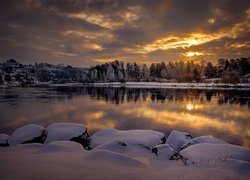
(202,139)
(68,131)
(145,138)
(177,138)
(207,152)
(3,140)
(163,151)
(31,133)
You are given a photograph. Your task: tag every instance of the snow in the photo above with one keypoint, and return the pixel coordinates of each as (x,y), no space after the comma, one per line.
(122,155)
(208,151)
(177,138)
(62,146)
(3,139)
(163,151)
(146,138)
(174,85)
(25,133)
(202,139)
(64,131)
(112,158)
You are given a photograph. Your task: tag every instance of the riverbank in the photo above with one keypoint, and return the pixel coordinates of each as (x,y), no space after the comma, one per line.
(172,85)
(116,154)
(216,86)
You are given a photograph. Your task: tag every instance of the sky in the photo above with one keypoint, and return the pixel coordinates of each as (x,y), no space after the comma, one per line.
(89,32)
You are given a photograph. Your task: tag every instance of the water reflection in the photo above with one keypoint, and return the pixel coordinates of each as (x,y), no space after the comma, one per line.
(222,114)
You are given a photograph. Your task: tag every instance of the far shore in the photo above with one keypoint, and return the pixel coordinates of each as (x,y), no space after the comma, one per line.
(163,85)
(245,86)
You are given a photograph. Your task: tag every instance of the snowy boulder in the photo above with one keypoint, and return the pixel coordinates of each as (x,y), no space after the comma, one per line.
(3,140)
(202,139)
(145,138)
(31,133)
(177,138)
(68,132)
(163,151)
(205,152)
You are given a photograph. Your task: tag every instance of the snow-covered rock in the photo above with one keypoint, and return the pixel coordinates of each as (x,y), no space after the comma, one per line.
(177,138)
(146,138)
(163,151)
(202,139)
(3,140)
(115,146)
(211,152)
(31,133)
(67,131)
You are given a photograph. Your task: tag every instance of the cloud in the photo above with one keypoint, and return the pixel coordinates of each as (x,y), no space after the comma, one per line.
(83,33)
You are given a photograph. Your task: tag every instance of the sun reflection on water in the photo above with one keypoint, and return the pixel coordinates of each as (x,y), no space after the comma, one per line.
(190,106)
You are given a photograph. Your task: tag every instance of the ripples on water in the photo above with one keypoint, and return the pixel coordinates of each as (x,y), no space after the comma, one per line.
(221,113)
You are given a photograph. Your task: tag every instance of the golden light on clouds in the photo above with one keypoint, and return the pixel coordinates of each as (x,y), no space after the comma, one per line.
(94,46)
(211,20)
(174,42)
(98,19)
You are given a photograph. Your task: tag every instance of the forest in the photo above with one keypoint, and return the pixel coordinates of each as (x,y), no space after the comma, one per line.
(224,71)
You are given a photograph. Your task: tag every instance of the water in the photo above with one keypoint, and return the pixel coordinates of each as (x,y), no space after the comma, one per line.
(221,113)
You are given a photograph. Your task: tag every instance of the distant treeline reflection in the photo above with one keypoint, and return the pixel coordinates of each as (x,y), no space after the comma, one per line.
(121,95)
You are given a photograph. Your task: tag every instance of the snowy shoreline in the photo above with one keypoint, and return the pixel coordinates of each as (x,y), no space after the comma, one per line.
(59,152)
(172,85)
(149,85)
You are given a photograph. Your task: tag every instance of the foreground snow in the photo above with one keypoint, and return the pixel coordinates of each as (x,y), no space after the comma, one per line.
(132,154)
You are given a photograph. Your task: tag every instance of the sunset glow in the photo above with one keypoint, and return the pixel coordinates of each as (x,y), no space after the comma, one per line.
(83,33)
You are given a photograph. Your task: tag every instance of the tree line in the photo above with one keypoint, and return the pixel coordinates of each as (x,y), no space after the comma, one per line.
(226,71)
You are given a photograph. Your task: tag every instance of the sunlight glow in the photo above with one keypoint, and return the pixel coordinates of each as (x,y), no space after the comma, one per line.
(189,106)
(191,54)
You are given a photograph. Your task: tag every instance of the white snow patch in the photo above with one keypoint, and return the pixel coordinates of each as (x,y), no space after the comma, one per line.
(64,131)
(25,133)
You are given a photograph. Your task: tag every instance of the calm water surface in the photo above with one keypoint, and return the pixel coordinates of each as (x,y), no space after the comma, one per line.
(223,114)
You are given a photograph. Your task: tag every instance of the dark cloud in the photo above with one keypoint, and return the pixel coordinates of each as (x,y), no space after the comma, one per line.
(79,32)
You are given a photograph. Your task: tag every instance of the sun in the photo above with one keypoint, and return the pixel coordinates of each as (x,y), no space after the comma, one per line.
(192,54)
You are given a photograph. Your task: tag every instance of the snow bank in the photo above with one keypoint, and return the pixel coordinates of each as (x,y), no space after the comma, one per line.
(3,140)
(62,146)
(113,158)
(202,139)
(115,146)
(177,138)
(122,155)
(27,134)
(146,138)
(65,131)
(172,85)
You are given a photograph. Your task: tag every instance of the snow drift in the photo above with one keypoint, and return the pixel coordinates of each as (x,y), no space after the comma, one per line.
(116,154)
